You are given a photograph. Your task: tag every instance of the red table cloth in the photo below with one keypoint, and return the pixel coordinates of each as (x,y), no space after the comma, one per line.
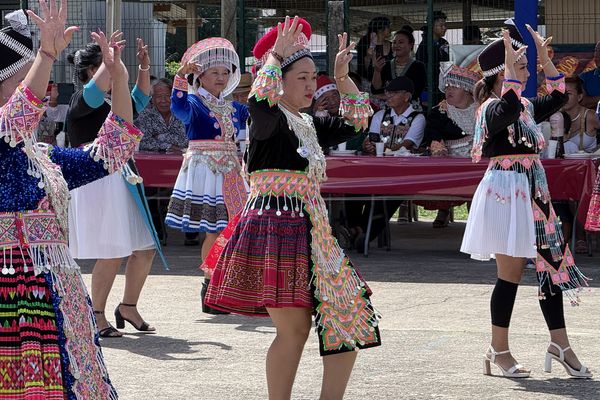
(416,177)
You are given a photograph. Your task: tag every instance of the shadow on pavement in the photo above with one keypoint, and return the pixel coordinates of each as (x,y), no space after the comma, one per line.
(160,347)
(245,324)
(580,389)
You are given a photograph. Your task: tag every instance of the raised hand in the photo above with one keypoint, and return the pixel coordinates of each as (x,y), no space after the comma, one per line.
(54,38)
(288,33)
(190,67)
(344,55)
(511,55)
(541,44)
(142,53)
(111,52)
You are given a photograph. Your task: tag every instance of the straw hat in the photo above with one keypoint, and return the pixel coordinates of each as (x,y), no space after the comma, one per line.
(245,83)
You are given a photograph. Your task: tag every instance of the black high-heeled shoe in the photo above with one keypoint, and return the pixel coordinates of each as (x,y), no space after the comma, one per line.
(205,308)
(144,327)
(109,331)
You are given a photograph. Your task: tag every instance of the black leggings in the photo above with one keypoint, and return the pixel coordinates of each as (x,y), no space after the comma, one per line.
(503,300)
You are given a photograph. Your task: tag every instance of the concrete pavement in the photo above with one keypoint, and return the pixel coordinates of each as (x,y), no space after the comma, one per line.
(435,329)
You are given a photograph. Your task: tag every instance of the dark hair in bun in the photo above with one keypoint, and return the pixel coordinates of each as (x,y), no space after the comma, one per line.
(83,59)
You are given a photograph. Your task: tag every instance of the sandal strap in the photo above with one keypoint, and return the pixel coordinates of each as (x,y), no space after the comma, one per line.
(514,368)
(110,331)
(128,305)
(494,353)
(561,351)
(98,312)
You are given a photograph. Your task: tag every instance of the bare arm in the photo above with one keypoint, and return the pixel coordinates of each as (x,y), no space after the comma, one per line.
(54,38)
(342,60)
(111,54)
(143,75)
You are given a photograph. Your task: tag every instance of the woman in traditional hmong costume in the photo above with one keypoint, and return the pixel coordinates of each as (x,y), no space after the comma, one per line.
(450,126)
(511,217)
(209,189)
(125,229)
(592,222)
(48,343)
(281,259)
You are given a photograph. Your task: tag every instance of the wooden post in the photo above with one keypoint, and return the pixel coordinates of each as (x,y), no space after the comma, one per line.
(113,16)
(335,25)
(228,20)
(192,28)
(110,5)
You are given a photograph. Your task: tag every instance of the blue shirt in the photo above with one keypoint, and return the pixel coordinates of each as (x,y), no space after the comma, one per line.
(591,82)
(200,123)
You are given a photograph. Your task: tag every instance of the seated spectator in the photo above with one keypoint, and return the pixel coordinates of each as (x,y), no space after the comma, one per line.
(240,94)
(591,82)
(373,44)
(580,124)
(54,117)
(326,99)
(581,137)
(162,131)
(450,124)
(403,64)
(399,125)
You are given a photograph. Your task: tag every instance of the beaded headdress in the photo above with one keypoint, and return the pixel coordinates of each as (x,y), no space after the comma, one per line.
(16,46)
(491,59)
(215,52)
(453,75)
(265,44)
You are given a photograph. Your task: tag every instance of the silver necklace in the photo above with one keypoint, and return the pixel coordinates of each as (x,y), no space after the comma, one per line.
(304,129)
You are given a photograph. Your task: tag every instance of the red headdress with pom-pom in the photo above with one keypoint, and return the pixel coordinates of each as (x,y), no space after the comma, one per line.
(324,85)
(265,45)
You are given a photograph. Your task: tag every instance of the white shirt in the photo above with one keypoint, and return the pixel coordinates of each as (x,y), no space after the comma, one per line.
(415,132)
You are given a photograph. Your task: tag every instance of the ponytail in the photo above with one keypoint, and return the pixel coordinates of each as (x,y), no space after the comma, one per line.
(483,88)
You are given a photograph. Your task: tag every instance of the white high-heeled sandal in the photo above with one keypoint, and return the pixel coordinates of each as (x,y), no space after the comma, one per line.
(582,373)
(490,358)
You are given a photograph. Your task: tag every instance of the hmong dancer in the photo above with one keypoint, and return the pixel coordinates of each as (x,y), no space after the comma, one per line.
(281,259)
(209,189)
(48,343)
(592,222)
(125,229)
(450,126)
(511,217)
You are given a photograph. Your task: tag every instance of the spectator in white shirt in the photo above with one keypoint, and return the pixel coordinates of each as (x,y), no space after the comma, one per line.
(399,124)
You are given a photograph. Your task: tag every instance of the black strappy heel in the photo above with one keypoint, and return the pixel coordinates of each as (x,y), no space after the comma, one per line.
(144,327)
(109,331)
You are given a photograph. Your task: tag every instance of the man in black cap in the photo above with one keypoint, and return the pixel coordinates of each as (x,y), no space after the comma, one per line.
(401,128)
(399,124)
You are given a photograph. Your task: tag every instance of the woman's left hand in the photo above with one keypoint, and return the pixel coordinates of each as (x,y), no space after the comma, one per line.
(143,56)
(541,44)
(344,56)
(54,38)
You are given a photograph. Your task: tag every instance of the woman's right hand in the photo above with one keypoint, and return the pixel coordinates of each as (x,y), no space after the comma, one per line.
(190,67)
(379,64)
(511,56)
(111,52)
(287,42)
(54,38)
